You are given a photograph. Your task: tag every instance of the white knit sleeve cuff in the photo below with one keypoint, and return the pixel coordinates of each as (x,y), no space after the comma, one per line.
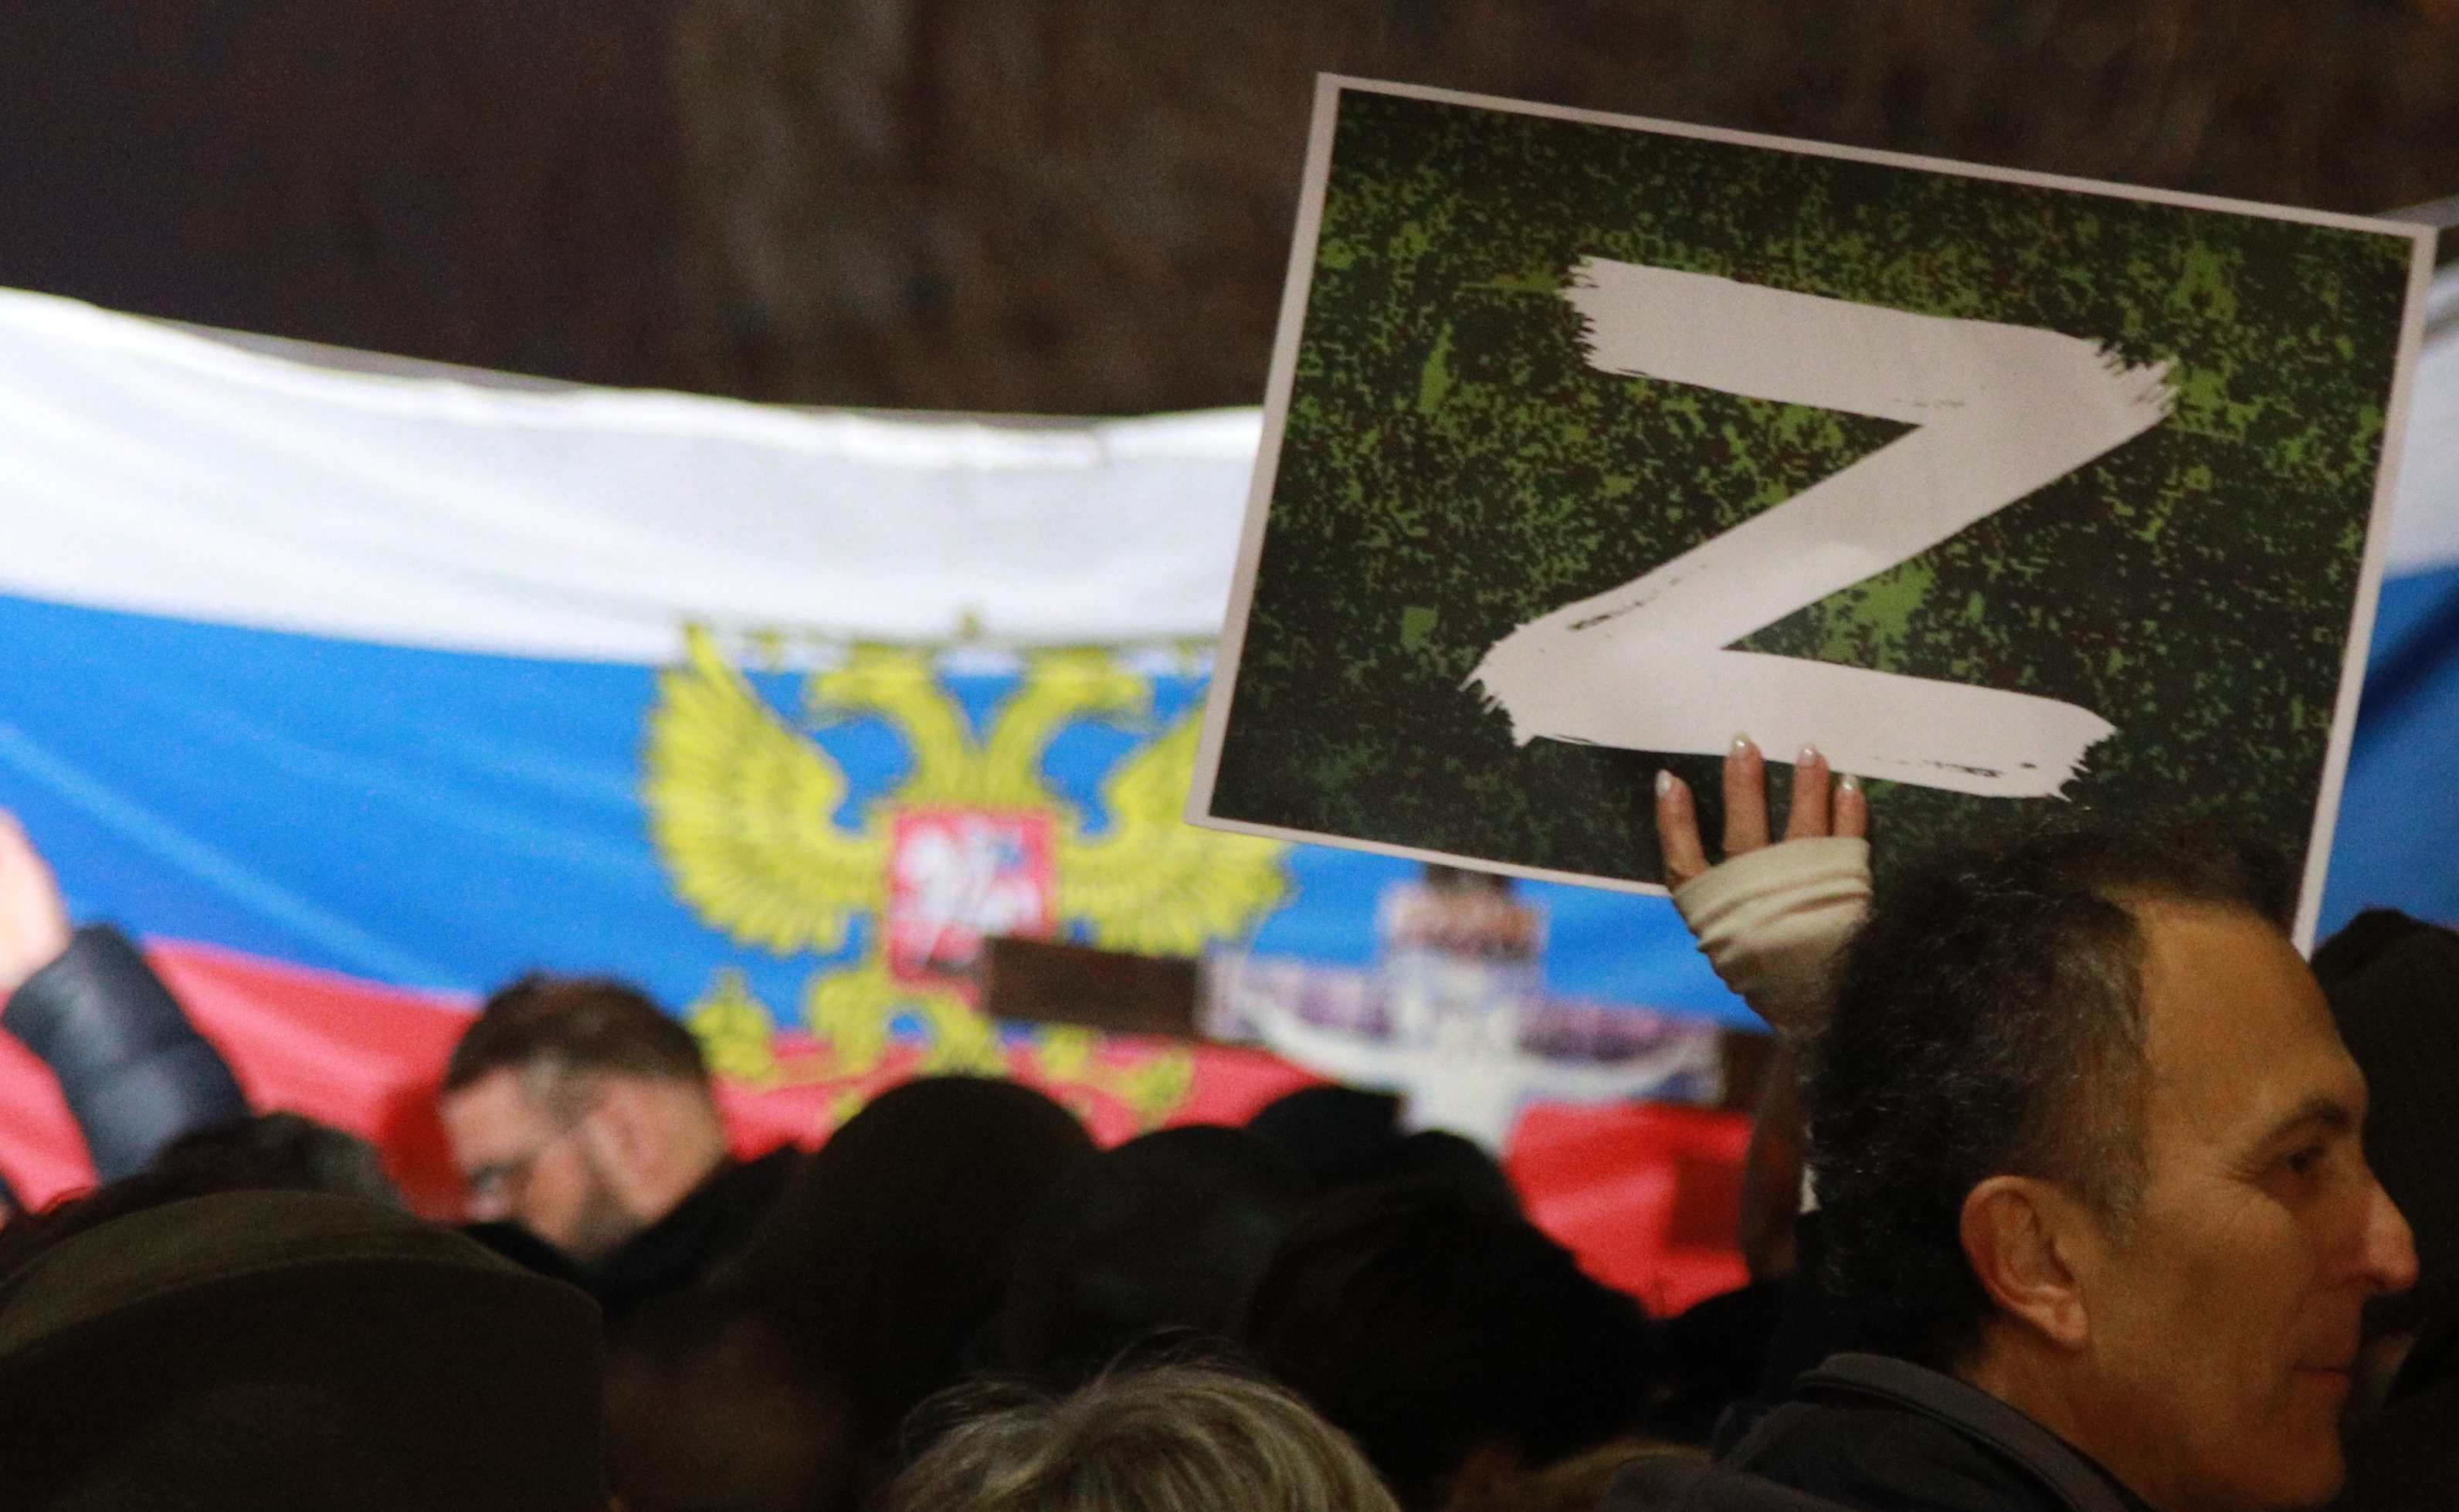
(1774,921)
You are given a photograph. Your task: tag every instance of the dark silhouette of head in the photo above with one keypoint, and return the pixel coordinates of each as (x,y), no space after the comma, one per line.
(891,1241)
(260,1152)
(1339,1138)
(290,1348)
(1330,1135)
(718,1399)
(287,1150)
(2393,983)
(1430,1328)
(1163,1236)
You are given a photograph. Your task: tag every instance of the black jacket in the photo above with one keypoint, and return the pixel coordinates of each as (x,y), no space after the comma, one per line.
(1879,1435)
(1679,1483)
(2404,1455)
(677,1252)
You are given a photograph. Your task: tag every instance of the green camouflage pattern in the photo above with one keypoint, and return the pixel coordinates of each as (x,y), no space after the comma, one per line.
(1452,468)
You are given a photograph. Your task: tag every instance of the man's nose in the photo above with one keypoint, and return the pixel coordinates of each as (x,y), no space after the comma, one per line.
(2390,1245)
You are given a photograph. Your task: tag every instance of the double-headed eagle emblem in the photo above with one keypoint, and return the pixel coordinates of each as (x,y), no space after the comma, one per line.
(750,814)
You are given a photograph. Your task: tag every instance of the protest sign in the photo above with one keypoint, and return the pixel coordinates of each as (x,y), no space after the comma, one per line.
(1592,442)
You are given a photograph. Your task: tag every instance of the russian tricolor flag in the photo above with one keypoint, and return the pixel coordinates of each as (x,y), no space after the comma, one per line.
(341,680)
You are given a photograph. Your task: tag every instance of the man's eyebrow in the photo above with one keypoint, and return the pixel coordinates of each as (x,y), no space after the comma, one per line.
(2320,1107)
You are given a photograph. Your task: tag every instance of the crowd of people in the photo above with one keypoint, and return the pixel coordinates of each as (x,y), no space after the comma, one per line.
(2080,1190)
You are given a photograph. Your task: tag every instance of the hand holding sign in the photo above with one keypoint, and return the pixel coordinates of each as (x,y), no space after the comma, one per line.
(1815,813)
(1771,918)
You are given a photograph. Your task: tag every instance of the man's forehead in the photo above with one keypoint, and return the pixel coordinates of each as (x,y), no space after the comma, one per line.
(2234,1024)
(498,1107)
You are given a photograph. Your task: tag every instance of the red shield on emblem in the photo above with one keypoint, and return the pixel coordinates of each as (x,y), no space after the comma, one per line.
(957,875)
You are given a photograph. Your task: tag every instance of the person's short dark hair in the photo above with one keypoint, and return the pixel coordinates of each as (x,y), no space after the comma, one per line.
(891,1241)
(566,1025)
(32,1235)
(1160,1237)
(2393,986)
(1988,1021)
(1423,1323)
(285,1151)
(1330,1134)
(1338,1137)
(715,1398)
(1439,1160)
(260,1152)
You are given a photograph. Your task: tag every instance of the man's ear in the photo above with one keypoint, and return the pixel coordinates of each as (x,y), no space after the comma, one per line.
(2020,1235)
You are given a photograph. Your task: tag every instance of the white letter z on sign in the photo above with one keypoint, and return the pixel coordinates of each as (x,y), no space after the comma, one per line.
(1998,411)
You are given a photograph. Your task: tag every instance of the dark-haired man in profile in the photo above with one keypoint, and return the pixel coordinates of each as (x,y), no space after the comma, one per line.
(578,1111)
(2086,1147)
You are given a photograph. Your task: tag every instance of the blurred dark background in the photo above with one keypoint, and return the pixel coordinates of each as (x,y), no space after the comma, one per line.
(1069,206)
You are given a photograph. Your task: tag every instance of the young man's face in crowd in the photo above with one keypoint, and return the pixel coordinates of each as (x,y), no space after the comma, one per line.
(526,1162)
(2224,1316)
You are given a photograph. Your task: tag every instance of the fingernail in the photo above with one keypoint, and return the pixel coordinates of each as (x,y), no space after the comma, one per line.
(1809,757)
(1664,782)
(1742,745)
(1849,783)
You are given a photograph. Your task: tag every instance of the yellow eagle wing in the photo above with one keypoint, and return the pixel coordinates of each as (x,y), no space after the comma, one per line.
(1153,883)
(742,808)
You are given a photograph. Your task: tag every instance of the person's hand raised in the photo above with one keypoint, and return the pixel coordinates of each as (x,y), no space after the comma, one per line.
(1822,807)
(1771,918)
(33,917)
